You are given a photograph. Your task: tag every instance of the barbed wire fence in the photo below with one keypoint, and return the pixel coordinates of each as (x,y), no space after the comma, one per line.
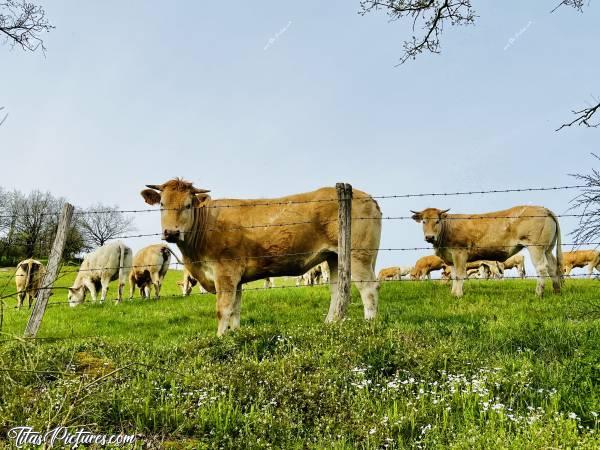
(344,200)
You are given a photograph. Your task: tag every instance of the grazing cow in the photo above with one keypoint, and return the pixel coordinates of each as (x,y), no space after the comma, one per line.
(105,264)
(393,273)
(460,238)
(425,265)
(150,265)
(224,243)
(517,262)
(188,283)
(28,278)
(581,258)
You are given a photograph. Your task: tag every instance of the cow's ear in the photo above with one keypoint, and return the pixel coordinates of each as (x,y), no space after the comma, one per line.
(417,217)
(202,197)
(150,196)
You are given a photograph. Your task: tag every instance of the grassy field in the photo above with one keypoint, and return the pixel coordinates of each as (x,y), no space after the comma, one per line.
(498,369)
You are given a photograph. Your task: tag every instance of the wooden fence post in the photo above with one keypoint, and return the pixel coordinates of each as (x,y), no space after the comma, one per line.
(35,320)
(344,194)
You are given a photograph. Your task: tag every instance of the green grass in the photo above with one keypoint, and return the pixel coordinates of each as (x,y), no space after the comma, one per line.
(499,368)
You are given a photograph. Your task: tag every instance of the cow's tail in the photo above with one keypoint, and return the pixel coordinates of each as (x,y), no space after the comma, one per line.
(174,255)
(29,280)
(559,254)
(122,263)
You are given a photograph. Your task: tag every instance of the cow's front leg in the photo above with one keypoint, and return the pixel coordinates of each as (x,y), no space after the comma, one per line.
(226,288)
(460,273)
(234,320)
(91,286)
(104,282)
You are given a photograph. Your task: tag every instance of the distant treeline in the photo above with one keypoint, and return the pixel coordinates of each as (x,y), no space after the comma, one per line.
(28,223)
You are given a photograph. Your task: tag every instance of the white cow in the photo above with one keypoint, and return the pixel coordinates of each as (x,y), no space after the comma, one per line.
(105,264)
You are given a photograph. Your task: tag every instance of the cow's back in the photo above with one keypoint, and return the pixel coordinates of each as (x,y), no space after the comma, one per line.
(151,258)
(103,260)
(297,230)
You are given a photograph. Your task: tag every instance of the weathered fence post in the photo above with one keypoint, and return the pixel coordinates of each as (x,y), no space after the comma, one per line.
(35,320)
(344,194)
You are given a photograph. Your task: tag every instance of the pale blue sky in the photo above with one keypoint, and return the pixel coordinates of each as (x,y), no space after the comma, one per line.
(132,93)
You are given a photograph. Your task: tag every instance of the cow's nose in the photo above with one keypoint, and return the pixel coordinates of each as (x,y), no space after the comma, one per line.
(430,239)
(171,235)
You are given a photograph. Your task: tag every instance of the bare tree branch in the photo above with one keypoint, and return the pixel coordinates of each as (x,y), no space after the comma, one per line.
(429,15)
(588,201)
(583,117)
(101,223)
(577,4)
(432,15)
(22,23)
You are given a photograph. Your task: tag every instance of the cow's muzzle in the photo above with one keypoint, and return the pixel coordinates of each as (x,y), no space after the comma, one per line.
(171,236)
(430,239)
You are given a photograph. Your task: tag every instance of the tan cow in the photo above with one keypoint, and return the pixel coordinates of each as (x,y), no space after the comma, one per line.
(425,265)
(150,265)
(228,242)
(581,258)
(460,238)
(517,262)
(187,284)
(393,273)
(28,278)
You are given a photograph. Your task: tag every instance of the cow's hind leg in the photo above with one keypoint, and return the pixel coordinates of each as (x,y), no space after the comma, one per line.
(554,271)
(541,264)
(333,288)
(365,280)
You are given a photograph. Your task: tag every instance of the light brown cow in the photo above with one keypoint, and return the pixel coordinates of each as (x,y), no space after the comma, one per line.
(28,278)
(187,284)
(460,238)
(393,273)
(581,258)
(517,262)
(228,242)
(425,265)
(150,265)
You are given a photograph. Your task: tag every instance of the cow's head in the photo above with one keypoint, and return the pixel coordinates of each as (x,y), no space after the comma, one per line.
(177,199)
(76,295)
(432,219)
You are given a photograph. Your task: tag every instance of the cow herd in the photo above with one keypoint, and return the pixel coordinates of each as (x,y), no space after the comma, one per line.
(424,266)
(226,243)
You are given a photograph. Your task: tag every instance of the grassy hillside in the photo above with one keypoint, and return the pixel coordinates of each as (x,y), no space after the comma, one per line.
(498,369)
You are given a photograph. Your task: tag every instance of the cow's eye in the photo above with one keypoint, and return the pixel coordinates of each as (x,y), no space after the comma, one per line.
(188,206)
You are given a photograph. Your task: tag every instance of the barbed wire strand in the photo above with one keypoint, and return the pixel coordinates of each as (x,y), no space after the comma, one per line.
(299,202)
